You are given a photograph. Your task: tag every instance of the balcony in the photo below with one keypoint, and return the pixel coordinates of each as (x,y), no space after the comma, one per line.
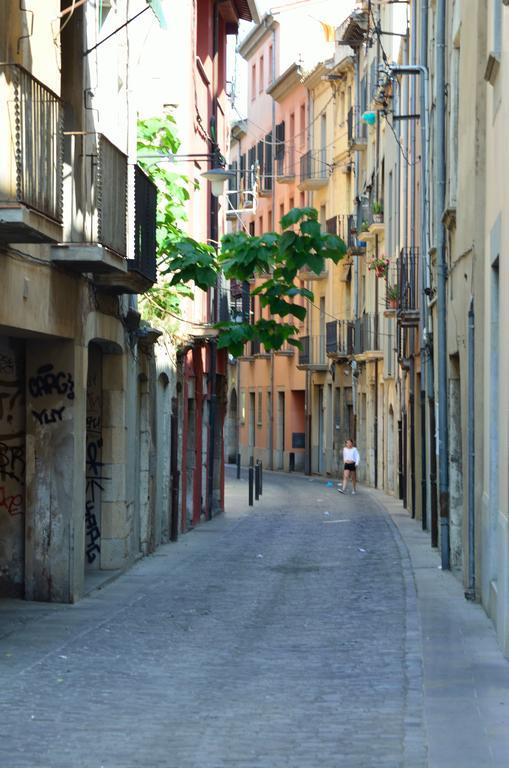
(314,170)
(339,338)
(408,281)
(142,269)
(357,131)
(95,213)
(366,337)
(286,167)
(30,159)
(313,356)
(309,276)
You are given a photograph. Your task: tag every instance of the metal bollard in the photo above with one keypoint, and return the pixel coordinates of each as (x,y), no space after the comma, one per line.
(261,478)
(238,466)
(251,462)
(251,477)
(257,480)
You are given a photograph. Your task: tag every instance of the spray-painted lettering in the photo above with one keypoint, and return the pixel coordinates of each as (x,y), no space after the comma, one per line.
(8,400)
(12,462)
(49,382)
(47,416)
(13,503)
(94,477)
(93,424)
(92,531)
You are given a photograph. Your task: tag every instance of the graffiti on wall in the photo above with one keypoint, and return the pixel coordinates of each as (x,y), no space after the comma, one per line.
(50,382)
(12,460)
(95,472)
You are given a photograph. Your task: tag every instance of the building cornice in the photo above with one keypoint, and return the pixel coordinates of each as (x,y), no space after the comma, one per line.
(314,77)
(257,36)
(285,83)
(239,129)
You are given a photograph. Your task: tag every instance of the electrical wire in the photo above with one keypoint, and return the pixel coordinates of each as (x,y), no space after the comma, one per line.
(409,162)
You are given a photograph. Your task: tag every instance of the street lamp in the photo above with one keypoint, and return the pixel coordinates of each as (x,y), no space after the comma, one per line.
(217,178)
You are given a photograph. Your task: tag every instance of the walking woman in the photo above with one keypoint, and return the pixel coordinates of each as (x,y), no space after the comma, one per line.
(351,460)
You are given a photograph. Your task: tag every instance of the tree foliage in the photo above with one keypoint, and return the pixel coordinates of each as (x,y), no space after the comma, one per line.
(273,258)
(278,259)
(180,258)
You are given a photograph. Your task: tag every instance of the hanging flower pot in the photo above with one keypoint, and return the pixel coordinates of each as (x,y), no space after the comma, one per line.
(380,266)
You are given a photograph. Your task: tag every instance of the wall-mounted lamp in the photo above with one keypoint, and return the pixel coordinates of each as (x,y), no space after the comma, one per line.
(217,178)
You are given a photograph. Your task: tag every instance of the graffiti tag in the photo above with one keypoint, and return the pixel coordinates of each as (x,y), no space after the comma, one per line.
(12,462)
(49,417)
(12,503)
(49,382)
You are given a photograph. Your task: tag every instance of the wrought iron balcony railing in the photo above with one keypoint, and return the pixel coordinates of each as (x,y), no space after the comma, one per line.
(32,143)
(96,193)
(409,280)
(367,334)
(339,338)
(145,214)
(314,167)
(313,352)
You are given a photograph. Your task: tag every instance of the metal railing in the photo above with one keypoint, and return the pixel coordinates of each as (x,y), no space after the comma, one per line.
(285,166)
(31,150)
(357,130)
(366,334)
(145,220)
(96,204)
(313,352)
(313,165)
(339,337)
(347,229)
(408,279)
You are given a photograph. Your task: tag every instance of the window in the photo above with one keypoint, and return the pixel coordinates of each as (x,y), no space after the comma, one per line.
(271,65)
(253,82)
(302,126)
(269,222)
(260,225)
(268,169)
(281,210)
(302,202)
(242,407)
(291,146)
(260,75)
(292,203)
(323,218)
(342,108)
(260,407)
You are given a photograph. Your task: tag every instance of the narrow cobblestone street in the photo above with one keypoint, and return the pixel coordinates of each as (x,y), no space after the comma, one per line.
(287,635)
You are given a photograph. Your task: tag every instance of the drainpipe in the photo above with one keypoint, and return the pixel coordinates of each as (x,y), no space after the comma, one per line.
(440,181)
(470,593)
(422,70)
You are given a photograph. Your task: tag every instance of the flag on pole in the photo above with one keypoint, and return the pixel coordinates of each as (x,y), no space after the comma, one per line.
(328,31)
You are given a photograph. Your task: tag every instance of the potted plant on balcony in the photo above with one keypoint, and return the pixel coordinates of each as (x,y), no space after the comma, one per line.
(379,265)
(392,296)
(378,213)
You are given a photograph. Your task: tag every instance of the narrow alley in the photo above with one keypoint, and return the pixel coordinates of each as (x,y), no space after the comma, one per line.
(284,635)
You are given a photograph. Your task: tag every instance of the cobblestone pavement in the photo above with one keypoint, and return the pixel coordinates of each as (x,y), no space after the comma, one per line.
(283,636)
